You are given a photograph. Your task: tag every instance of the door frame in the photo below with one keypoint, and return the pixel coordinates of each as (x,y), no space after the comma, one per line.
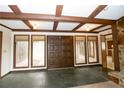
(1,35)
(103,53)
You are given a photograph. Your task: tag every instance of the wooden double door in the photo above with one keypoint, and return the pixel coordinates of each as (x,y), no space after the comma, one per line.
(60,52)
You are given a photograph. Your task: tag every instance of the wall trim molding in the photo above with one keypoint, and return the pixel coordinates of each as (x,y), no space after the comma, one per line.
(6,27)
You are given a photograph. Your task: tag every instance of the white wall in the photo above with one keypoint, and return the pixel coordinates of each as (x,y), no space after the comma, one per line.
(6,50)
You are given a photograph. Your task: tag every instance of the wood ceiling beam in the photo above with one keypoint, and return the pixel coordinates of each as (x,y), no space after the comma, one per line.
(105,29)
(92,30)
(92,15)
(17,11)
(46,17)
(107,34)
(45,30)
(58,14)
(78,26)
(97,11)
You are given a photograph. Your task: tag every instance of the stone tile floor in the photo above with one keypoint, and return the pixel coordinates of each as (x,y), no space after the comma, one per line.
(63,78)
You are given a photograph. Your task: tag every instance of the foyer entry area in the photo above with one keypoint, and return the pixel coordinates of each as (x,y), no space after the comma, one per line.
(62,44)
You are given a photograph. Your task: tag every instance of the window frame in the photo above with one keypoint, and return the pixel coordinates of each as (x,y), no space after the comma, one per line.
(75,50)
(32,51)
(14,65)
(97,47)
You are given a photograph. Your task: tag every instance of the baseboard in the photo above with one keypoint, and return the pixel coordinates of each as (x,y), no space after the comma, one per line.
(28,70)
(88,65)
(60,68)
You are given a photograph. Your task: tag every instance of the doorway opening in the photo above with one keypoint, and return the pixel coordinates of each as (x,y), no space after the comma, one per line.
(107,52)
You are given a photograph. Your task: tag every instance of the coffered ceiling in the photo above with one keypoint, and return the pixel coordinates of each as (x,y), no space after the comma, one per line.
(72,18)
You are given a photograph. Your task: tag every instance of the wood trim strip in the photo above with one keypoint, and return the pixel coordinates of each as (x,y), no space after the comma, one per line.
(45,17)
(1,35)
(17,11)
(92,15)
(6,27)
(44,30)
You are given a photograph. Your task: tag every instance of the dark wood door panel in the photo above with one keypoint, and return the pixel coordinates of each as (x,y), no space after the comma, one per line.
(60,51)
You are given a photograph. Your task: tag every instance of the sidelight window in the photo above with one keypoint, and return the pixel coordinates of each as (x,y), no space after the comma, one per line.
(21,47)
(38,51)
(80,49)
(92,49)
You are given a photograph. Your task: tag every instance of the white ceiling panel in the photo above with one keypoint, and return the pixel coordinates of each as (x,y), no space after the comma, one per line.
(88,27)
(66,26)
(14,24)
(40,9)
(42,25)
(113,12)
(106,32)
(5,8)
(78,10)
(102,28)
